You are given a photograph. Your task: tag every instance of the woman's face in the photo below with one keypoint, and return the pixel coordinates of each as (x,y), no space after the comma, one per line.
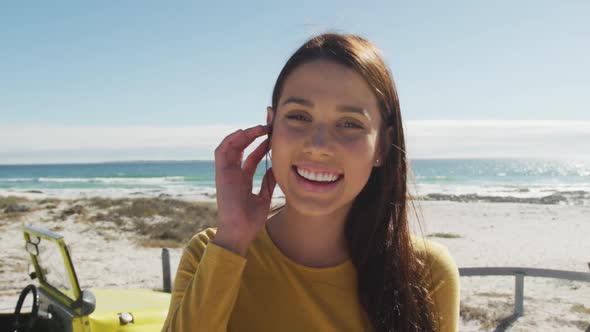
(324,140)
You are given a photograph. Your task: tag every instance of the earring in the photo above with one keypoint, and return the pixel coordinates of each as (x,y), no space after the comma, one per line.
(377,162)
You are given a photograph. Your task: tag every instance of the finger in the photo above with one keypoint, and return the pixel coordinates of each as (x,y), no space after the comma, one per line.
(268,185)
(232,147)
(254,158)
(241,138)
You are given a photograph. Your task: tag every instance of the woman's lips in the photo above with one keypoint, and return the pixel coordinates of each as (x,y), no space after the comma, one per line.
(315,186)
(317,168)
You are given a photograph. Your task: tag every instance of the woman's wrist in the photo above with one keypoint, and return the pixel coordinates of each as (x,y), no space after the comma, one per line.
(231,242)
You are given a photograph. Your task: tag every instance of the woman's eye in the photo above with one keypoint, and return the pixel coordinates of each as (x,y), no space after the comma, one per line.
(297,117)
(350,124)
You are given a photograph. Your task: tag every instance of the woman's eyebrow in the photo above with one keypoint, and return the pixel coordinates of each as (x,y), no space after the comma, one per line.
(354,109)
(342,108)
(297,100)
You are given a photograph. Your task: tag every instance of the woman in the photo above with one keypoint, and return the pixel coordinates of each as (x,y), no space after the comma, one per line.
(338,256)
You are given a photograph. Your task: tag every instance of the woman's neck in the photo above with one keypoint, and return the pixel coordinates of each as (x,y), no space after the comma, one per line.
(314,241)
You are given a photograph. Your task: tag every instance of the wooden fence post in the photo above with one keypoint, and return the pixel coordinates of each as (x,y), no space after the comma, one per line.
(166,270)
(519,294)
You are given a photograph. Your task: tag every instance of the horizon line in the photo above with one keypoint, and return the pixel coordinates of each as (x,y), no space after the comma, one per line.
(212,160)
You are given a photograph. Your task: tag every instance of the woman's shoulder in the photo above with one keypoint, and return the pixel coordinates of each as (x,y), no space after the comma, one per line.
(429,249)
(438,262)
(441,278)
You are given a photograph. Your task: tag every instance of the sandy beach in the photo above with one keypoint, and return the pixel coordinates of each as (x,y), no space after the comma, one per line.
(116,243)
(521,235)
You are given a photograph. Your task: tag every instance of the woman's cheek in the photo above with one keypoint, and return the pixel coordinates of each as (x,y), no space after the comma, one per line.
(281,153)
(357,143)
(293,131)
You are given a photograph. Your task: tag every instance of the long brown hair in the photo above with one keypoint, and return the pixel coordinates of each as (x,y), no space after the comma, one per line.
(390,286)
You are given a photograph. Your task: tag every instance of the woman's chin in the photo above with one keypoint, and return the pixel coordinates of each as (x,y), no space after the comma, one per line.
(314,207)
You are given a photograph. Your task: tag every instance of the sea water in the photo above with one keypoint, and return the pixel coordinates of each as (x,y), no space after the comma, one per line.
(506,180)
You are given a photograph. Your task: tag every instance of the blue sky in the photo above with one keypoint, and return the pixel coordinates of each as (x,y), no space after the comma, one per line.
(77,69)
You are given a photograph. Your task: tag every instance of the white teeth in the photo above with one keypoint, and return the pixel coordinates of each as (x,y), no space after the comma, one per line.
(322,177)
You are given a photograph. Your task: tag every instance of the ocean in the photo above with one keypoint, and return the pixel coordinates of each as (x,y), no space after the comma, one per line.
(494,180)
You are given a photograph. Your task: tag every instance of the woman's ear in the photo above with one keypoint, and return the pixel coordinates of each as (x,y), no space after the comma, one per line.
(270,112)
(270,119)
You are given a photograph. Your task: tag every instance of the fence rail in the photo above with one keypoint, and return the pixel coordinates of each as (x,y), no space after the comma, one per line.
(519,273)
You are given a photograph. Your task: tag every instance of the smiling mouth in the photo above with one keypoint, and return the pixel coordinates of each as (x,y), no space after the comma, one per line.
(317,178)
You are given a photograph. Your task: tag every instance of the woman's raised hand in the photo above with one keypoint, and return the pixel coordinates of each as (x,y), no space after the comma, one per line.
(241,214)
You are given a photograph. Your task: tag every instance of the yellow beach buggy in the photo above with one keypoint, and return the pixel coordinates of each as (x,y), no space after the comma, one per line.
(59,305)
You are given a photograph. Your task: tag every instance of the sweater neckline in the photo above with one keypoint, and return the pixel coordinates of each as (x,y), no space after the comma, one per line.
(339,268)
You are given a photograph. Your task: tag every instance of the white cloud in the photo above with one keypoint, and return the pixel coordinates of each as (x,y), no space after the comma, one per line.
(40,138)
(55,144)
(425,139)
(498,139)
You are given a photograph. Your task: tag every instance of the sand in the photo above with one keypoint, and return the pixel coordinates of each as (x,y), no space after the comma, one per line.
(521,235)
(490,234)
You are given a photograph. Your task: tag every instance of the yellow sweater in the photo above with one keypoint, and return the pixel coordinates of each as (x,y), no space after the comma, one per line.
(218,290)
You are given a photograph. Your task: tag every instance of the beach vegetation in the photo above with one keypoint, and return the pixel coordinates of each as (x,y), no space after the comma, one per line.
(488,317)
(56,228)
(104,203)
(158,243)
(149,207)
(582,325)
(162,222)
(74,210)
(14,208)
(49,200)
(445,235)
(494,294)
(183,220)
(581,309)
(6,201)
(17,208)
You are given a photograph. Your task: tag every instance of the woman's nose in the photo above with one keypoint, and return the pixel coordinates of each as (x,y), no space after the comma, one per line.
(319,140)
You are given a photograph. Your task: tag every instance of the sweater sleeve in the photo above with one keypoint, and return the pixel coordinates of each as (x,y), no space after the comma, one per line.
(206,286)
(444,287)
